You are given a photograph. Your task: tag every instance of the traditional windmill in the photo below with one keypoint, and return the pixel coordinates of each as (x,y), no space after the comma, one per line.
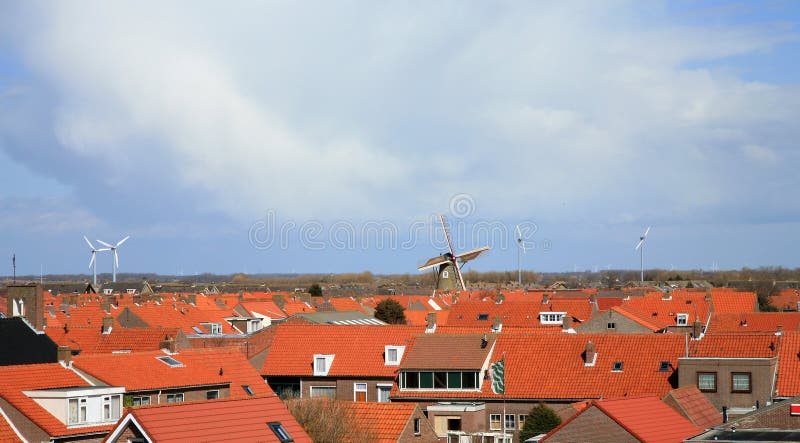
(448,277)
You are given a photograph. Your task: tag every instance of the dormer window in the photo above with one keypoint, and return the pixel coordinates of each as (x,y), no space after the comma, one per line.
(393,355)
(130,291)
(322,363)
(682,319)
(551,318)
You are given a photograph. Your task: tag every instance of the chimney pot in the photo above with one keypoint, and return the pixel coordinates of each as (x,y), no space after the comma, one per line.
(545,299)
(108,323)
(591,353)
(566,323)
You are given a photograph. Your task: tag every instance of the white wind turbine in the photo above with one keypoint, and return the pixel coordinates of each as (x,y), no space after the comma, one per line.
(640,247)
(113,248)
(520,248)
(93,260)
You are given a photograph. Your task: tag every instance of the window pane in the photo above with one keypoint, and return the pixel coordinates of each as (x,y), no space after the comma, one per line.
(510,422)
(392,354)
(73,411)
(521,421)
(383,393)
(454,380)
(706,381)
(412,380)
(469,380)
(440,380)
(741,382)
(426,380)
(323,391)
(115,406)
(494,421)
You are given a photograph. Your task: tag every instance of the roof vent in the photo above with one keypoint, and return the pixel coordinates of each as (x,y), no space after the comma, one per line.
(484,341)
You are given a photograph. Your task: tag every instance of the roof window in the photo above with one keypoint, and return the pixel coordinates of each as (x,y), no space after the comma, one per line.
(617,366)
(169,361)
(280,432)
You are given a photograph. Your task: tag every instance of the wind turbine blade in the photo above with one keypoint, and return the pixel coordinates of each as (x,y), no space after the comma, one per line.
(88,242)
(447,236)
(519,233)
(123,240)
(104,243)
(91,261)
(639,245)
(102,250)
(116,259)
(524,251)
(647,231)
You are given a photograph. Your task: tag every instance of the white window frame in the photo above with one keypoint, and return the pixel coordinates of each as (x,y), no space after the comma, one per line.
(175,398)
(311,390)
(360,387)
(551,317)
(210,391)
(417,426)
(81,412)
(142,400)
(513,421)
(499,421)
(521,420)
(682,319)
(328,358)
(399,350)
(445,274)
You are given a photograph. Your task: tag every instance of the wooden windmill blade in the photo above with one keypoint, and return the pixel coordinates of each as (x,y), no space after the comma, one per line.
(435,261)
(471,255)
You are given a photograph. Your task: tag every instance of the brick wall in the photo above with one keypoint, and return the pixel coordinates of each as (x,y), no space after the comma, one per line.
(345,389)
(599,324)
(592,425)
(24,425)
(128,434)
(426,434)
(762,372)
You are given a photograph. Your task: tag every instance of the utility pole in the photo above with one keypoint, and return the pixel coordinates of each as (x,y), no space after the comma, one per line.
(14,267)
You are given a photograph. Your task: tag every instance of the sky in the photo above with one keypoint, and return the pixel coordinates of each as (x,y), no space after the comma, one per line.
(278,137)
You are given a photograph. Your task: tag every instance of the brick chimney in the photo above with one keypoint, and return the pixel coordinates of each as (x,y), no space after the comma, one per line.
(26,301)
(590,354)
(192,299)
(64,354)
(697,330)
(430,322)
(105,306)
(566,324)
(170,344)
(545,299)
(497,324)
(108,323)
(73,300)
(780,330)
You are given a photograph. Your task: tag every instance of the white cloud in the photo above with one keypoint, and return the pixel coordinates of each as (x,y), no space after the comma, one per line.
(568,109)
(760,154)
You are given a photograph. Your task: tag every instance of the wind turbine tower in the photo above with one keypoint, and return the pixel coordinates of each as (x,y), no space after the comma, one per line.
(640,247)
(115,262)
(93,260)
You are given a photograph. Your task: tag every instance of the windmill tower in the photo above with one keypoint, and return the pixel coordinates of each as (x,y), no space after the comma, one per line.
(115,260)
(640,247)
(448,273)
(521,248)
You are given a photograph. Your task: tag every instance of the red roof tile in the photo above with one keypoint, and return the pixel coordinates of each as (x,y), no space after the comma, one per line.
(384,422)
(20,378)
(182,316)
(200,367)
(749,322)
(482,313)
(242,420)
(552,366)
(786,299)
(788,384)
(662,311)
(648,419)
(695,406)
(93,341)
(267,308)
(756,345)
(358,349)
(7,434)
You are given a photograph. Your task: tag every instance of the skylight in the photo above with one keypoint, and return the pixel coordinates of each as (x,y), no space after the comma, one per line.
(483,316)
(247,389)
(169,361)
(664,367)
(280,432)
(617,366)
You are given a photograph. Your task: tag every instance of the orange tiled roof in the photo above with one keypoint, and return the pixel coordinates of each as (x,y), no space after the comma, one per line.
(358,349)
(733,301)
(788,384)
(696,407)
(663,311)
(514,313)
(749,322)
(552,366)
(7,434)
(291,307)
(218,420)
(18,378)
(385,422)
(267,308)
(755,345)
(93,341)
(786,299)
(638,317)
(200,367)
(346,304)
(646,418)
(182,316)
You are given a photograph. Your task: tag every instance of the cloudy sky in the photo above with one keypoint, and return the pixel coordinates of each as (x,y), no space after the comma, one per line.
(324,136)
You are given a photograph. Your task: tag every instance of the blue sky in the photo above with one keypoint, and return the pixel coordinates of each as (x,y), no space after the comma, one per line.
(283,136)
